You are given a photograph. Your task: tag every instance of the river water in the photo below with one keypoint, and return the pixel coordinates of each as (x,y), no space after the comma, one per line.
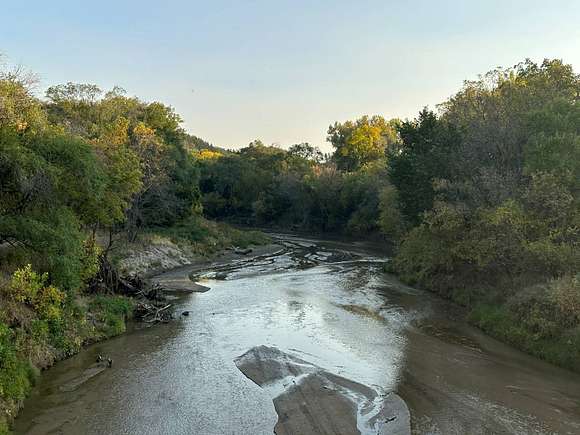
(327,303)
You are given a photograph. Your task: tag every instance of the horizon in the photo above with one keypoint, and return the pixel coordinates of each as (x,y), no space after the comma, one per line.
(283,73)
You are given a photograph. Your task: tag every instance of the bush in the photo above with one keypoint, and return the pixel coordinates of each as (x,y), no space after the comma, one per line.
(564,293)
(90,260)
(16,374)
(390,218)
(30,288)
(498,321)
(111,312)
(533,311)
(3,426)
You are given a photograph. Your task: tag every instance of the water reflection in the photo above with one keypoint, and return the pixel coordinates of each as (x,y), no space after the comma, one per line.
(330,306)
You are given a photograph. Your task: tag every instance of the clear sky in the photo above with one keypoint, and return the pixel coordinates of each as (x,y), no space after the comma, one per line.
(280,70)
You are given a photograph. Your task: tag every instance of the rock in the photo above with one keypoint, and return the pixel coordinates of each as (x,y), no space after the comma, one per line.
(185,313)
(318,402)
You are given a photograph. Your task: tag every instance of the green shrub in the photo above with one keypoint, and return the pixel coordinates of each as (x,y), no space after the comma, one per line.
(531,330)
(112,312)
(16,374)
(39,330)
(391,221)
(564,293)
(25,285)
(63,337)
(31,288)
(90,259)
(3,426)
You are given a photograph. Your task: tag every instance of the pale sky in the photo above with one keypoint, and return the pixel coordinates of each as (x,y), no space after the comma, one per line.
(282,71)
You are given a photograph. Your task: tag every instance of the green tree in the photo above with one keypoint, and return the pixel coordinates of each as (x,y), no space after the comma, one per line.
(426,153)
(362,141)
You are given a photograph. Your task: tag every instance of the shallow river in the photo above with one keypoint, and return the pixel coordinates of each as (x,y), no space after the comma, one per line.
(328,304)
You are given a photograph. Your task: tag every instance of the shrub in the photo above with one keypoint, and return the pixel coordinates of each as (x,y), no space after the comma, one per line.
(90,259)
(16,374)
(532,310)
(3,426)
(30,288)
(390,218)
(564,293)
(25,285)
(112,312)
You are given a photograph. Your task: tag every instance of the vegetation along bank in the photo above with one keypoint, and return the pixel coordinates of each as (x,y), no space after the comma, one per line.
(480,198)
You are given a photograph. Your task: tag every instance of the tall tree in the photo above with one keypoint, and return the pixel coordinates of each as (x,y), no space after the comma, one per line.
(357,143)
(426,153)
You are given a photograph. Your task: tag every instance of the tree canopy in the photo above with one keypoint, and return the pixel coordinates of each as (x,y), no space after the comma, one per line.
(357,143)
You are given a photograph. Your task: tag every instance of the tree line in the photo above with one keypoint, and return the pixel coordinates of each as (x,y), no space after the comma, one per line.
(481,198)
(82,160)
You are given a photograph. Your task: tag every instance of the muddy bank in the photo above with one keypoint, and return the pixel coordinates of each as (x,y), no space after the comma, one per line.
(190,277)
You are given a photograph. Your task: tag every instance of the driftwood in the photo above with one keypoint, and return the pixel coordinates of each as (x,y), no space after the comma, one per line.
(151,313)
(150,307)
(108,280)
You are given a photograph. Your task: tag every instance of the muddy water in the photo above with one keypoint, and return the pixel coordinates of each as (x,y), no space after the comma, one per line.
(327,304)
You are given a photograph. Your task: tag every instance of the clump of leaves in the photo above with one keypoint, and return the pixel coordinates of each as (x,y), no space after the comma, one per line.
(31,288)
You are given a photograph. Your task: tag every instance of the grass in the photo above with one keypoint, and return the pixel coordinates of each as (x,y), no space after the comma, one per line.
(536,314)
(3,427)
(16,376)
(561,347)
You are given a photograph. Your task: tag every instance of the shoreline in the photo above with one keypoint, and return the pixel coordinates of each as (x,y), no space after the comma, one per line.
(174,281)
(298,380)
(129,324)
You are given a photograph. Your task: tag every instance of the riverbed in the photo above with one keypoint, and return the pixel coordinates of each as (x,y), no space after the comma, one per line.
(283,340)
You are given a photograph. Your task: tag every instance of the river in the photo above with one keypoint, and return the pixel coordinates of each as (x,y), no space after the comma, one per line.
(324,308)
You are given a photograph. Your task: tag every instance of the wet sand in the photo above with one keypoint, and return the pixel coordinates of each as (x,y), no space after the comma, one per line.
(181,279)
(310,400)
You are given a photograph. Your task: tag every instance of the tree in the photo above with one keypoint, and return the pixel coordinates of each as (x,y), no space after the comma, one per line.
(305,151)
(153,179)
(18,107)
(362,141)
(493,115)
(51,186)
(426,152)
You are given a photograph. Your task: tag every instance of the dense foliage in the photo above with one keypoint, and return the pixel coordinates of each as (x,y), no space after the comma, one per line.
(74,167)
(503,232)
(481,200)
(293,189)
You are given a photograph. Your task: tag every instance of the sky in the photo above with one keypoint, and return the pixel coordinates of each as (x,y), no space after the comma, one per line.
(283,71)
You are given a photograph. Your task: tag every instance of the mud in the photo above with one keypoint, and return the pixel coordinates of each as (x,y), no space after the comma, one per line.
(310,400)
